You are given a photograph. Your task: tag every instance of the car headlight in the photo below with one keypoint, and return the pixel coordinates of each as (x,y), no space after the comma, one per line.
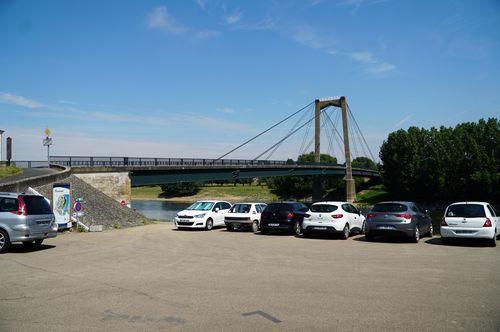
(199,215)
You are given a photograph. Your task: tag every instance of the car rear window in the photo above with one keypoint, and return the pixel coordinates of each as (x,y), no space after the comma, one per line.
(466,211)
(390,207)
(241,208)
(276,207)
(323,208)
(37,205)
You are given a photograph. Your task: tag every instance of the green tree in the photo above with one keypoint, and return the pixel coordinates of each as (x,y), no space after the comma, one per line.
(180,189)
(364,162)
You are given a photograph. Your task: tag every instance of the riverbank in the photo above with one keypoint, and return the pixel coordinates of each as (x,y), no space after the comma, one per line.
(227,192)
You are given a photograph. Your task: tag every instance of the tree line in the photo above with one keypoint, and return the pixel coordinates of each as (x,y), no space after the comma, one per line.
(445,164)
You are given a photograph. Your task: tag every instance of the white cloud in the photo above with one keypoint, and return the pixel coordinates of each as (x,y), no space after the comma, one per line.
(266,24)
(161,19)
(305,35)
(201,3)
(233,18)
(374,65)
(8,98)
(226,110)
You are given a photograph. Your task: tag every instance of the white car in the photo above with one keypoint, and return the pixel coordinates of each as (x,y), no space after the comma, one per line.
(332,217)
(202,214)
(470,220)
(244,215)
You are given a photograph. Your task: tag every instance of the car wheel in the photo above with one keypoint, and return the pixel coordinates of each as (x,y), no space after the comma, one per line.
(345,232)
(229,227)
(431,231)
(33,244)
(255,226)
(209,224)
(363,227)
(298,229)
(4,241)
(416,235)
(493,241)
(369,238)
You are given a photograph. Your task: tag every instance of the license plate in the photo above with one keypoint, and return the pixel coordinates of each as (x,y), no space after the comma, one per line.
(386,227)
(236,224)
(183,220)
(273,225)
(320,228)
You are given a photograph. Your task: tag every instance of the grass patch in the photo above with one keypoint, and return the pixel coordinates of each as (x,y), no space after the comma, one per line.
(227,191)
(6,171)
(372,195)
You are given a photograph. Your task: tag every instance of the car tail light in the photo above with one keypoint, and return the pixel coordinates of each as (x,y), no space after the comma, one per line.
(289,215)
(307,215)
(371,215)
(337,216)
(487,223)
(443,222)
(21,207)
(404,216)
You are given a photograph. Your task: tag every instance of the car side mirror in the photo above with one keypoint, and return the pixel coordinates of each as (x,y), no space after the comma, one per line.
(216,209)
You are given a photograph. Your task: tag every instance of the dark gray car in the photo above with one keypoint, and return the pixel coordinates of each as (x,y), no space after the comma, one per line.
(398,218)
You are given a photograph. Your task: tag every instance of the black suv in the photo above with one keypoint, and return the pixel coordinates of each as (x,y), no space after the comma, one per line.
(282,216)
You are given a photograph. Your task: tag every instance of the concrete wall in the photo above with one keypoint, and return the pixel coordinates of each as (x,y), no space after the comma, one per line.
(114,184)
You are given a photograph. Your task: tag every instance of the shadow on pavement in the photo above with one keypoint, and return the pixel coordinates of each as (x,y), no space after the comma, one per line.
(459,242)
(17,248)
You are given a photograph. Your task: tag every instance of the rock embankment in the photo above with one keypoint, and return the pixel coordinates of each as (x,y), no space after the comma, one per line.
(99,208)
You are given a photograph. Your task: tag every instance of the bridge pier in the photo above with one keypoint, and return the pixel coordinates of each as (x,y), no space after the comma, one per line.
(116,185)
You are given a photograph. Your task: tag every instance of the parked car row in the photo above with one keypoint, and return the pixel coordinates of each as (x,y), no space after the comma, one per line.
(395,218)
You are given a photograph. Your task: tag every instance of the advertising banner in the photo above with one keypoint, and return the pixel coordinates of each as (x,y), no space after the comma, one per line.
(61,204)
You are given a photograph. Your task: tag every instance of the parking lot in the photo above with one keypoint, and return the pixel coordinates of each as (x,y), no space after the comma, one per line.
(156,278)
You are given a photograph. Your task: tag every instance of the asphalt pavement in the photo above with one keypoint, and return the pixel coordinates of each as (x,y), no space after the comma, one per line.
(153,278)
(28,173)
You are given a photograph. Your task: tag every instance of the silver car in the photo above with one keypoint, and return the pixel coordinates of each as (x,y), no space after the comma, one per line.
(25,218)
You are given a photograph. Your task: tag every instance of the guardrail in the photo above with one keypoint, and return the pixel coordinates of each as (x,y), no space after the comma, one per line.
(82,161)
(27,163)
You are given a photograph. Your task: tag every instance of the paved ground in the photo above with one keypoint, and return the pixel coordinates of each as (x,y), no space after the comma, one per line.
(28,173)
(155,278)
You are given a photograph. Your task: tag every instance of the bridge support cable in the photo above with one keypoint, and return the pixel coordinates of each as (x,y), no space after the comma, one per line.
(304,115)
(305,148)
(336,134)
(360,132)
(265,131)
(286,137)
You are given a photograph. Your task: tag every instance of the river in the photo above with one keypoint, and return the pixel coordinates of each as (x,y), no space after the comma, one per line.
(158,210)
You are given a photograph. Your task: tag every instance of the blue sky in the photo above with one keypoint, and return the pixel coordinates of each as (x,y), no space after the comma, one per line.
(195,78)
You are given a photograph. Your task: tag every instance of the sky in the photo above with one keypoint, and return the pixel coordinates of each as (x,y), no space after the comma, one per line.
(196,78)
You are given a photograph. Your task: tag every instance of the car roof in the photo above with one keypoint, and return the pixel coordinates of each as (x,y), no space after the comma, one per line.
(211,201)
(10,194)
(473,202)
(331,203)
(397,202)
(249,203)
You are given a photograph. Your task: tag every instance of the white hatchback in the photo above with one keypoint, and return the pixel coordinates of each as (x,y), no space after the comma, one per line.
(202,214)
(244,215)
(332,217)
(470,220)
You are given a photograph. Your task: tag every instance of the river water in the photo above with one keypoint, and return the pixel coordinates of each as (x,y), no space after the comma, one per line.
(158,210)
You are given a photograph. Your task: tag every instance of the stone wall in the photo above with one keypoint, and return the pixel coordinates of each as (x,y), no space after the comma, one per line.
(114,184)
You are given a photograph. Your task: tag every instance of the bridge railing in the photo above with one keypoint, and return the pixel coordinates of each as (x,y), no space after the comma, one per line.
(84,161)
(27,163)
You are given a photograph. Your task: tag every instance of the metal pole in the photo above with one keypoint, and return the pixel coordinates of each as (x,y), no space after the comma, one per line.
(349,181)
(1,145)
(317,192)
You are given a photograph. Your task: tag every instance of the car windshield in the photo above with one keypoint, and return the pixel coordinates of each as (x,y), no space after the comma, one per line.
(390,207)
(466,211)
(241,208)
(323,208)
(201,206)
